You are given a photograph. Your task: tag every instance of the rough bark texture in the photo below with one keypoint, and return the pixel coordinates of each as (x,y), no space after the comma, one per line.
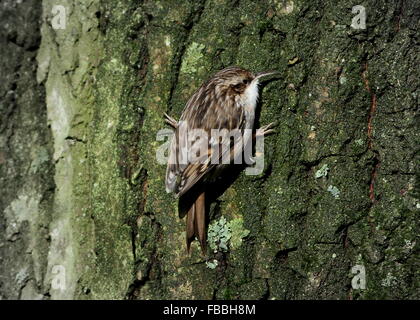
(26,170)
(81,187)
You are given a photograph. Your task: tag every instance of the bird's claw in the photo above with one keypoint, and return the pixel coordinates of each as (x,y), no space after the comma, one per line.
(171,121)
(265,130)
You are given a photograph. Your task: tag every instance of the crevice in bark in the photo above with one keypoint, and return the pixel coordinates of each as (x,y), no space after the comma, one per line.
(372,110)
(152,270)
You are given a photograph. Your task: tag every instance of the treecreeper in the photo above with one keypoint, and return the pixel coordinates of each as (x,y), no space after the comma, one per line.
(215,127)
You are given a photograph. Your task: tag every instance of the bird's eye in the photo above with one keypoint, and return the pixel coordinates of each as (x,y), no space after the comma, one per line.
(245,81)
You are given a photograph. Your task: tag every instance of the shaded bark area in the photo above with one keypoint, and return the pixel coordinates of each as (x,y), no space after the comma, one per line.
(339,185)
(26,171)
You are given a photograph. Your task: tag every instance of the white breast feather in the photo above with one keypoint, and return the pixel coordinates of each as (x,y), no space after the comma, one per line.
(250,103)
(251,94)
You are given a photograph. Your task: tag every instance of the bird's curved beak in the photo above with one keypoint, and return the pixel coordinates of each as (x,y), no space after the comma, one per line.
(265,73)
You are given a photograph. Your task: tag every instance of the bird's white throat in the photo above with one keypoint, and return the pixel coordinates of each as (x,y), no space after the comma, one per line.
(250,103)
(251,95)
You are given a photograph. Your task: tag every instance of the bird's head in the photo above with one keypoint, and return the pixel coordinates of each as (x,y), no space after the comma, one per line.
(239,81)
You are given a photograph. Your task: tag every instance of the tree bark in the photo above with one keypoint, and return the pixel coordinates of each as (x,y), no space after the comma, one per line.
(83,210)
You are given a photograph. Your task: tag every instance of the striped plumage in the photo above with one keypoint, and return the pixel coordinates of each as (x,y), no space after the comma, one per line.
(226,101)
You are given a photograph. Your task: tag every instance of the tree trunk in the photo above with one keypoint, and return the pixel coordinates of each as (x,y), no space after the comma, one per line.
(84,212)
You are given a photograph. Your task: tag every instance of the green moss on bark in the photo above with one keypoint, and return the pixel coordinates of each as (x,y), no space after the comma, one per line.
(346,98)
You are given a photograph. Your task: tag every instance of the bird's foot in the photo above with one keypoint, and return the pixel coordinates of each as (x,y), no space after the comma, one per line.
(265,130)
(171,121)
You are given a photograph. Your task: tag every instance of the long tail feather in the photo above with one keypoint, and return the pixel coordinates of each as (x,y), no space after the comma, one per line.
(196,223)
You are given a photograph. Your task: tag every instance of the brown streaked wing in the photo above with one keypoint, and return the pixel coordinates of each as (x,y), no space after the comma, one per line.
(207,109)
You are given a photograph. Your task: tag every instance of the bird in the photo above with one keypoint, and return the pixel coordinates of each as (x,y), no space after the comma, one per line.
(225,103)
